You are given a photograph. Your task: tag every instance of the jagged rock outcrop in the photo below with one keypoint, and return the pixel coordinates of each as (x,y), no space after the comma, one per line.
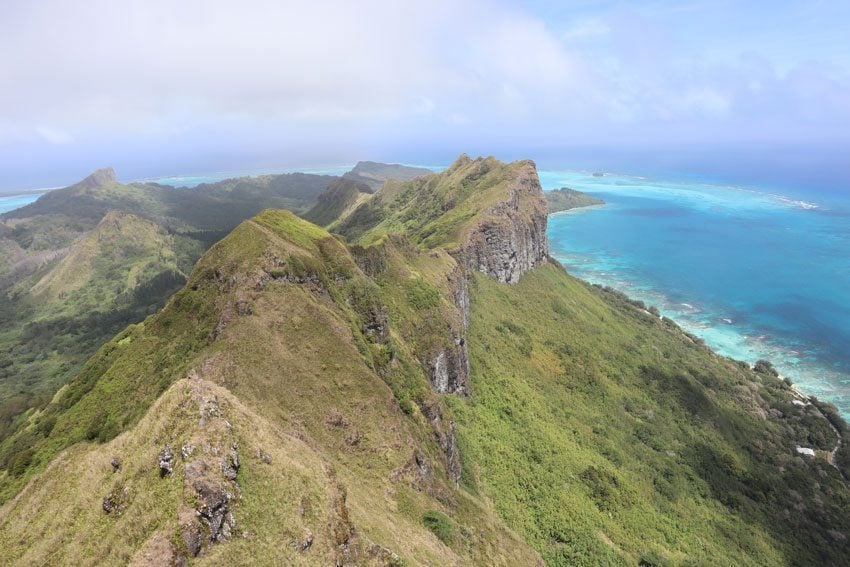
(507,240)
(450,368)
(510,237)
(210,479)
(446,437)
(165,461)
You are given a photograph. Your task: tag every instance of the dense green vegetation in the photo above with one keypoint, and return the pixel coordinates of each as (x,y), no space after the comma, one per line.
(604,434)
(564,199)
(440,524)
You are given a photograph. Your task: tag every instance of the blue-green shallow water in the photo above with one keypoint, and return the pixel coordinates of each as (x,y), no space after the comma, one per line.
(755,273)
(11,202)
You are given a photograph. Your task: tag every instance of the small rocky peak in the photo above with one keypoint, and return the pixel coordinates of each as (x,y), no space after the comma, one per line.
(509,238)
(99,178)
(462,160)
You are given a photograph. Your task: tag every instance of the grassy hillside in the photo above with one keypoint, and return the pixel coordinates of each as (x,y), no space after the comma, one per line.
(607,436)
(588,431)
(278,314)
(337,200)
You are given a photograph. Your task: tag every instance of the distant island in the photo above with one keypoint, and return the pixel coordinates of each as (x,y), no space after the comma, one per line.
(564,199)
(374,174)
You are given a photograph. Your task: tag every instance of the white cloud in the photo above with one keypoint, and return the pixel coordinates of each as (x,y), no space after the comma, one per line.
(53,136)
(266,70)
(586,28)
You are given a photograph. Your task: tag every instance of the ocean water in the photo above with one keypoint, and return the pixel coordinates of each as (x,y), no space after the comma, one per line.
(754,271)
(11,202)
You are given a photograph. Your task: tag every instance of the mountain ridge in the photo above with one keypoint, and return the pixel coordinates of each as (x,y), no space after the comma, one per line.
(493,408)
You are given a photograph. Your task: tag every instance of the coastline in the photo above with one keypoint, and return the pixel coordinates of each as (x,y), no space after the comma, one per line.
(27,192)
(759,283)
(680,318)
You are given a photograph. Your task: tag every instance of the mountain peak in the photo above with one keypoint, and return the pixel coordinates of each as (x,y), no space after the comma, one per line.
(99,178)
(462,160)
(493,214)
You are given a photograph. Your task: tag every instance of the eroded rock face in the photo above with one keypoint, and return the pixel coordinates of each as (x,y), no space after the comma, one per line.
(511,238)
(214,510)
(445,437)
(230,464)
(116,501)
(452,454)
(166,461)
(450,368)
(508,241)
(210,475)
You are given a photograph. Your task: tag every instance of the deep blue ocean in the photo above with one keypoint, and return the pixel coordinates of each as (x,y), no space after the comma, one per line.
(756,272)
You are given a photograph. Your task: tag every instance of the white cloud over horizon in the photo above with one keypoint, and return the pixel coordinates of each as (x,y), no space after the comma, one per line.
(222,78)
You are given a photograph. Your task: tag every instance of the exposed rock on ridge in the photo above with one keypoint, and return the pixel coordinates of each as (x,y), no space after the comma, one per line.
(510,239)
(507,240)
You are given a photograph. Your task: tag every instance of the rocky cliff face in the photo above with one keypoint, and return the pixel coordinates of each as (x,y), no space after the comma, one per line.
(510,239)
(507,241)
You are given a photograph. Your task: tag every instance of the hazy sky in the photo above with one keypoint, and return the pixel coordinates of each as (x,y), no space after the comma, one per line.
(158,87)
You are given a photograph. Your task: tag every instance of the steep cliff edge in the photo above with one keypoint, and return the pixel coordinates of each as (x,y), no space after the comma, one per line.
(491,214)
(508,238)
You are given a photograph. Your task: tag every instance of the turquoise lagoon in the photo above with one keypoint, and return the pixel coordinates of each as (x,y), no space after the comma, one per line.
(755,272)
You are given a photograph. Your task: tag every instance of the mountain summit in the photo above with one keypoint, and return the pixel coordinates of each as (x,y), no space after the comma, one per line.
(99,178)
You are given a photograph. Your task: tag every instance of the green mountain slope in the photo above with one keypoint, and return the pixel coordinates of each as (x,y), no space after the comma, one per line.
(337,200)
(80,263)
(119,254)
(118,272)
(612,437)
(280,315)
(435,390)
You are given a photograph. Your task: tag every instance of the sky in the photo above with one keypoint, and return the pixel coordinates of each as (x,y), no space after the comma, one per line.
(156,87)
